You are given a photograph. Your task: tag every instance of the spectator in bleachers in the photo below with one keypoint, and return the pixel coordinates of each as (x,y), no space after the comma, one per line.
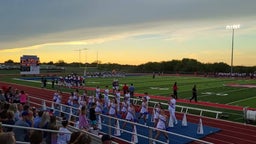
(7,138)
(51,138)
(83,121)
(63,138)
(93,120)
(79,138)
(9,121)
(2,97)
(106,139)
(17,114)
(16,96)
(22,134)
(45,120)
(1,128)
(36,137)
(23,97)
(38,119)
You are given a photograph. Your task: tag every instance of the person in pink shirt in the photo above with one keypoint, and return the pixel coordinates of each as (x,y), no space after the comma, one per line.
(23,97)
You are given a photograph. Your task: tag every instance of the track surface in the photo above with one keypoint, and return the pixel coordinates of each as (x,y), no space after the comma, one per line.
(230,132)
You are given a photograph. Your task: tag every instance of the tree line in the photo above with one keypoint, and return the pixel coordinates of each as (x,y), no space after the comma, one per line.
(185,65)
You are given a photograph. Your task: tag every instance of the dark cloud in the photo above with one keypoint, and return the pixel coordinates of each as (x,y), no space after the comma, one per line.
(23,21)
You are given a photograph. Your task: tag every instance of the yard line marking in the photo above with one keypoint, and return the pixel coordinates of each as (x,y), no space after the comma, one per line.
(224,92)
(242,100)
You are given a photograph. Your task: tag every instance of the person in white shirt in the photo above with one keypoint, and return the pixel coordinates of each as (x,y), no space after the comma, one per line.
(131,116)
(118,95)
(161,124)
(97,92)
(157,110)
(63,138)
(144,110)
(106,99)
(171,108)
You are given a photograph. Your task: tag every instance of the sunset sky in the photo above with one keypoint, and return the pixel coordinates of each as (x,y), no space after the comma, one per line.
(128,31)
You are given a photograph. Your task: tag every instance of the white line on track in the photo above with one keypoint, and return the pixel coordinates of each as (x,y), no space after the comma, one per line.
(242,100)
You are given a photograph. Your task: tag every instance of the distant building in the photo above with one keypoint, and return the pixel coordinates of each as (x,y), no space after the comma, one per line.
(29,64)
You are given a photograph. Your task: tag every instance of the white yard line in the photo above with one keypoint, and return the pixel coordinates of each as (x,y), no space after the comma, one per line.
(242,100)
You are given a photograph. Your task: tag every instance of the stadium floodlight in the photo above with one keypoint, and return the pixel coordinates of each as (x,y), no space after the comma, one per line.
(232,27)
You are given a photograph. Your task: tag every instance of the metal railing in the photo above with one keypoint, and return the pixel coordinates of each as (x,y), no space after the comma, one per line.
(44,103)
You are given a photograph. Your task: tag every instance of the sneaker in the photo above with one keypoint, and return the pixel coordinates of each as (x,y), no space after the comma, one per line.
(176,122)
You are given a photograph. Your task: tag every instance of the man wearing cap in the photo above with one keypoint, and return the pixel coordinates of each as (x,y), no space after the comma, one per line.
(22,134)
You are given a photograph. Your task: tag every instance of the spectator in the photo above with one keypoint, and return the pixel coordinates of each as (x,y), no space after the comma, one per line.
(7,138)
(63,138)
(36,137)
(23,97)
(106,139)
(22,134)
(2,97)
(83,121)
(79,138)
(51,138)
(38,119)
(9,121)
(131,90)
(16,96)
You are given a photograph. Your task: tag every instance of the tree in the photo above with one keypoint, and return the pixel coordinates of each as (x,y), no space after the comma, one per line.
(9,61)
(61,63)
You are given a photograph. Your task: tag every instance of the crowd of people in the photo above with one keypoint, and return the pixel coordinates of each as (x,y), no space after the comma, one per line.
(100,103)
(14,110)
(17,118)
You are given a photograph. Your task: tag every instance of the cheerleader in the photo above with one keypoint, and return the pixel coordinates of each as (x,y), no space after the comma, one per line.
(106,99)
(97,92)
(156,114)
(118,95)
(113,109)
(144,110)
(124,106)
(127,97)
(130,114)
(99,108)
(161,125)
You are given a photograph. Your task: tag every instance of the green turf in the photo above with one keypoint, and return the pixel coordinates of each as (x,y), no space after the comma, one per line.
(209,89)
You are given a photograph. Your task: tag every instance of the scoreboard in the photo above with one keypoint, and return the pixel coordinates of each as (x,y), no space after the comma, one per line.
(29,64)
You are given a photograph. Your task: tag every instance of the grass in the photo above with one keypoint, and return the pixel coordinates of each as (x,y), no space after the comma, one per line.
(209,89)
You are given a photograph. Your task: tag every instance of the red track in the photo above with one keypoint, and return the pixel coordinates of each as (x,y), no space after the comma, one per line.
(230,132)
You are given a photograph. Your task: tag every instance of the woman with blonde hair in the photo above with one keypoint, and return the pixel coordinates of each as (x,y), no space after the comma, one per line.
(79,138)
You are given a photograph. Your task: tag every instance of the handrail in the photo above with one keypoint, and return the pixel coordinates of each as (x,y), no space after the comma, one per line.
(152,128)
(135,100)
(137,124)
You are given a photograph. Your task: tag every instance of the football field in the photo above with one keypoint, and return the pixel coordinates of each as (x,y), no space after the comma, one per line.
(231,91)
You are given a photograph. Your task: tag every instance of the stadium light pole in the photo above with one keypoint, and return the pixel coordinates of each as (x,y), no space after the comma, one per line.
(232,27)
